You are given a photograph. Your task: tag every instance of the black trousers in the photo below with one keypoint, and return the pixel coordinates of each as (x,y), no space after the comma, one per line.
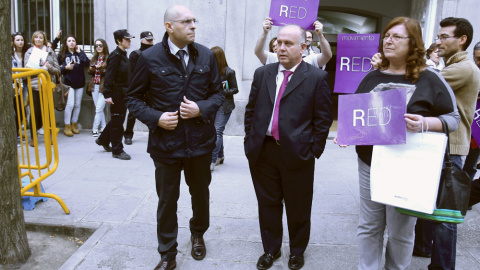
(475,193)
(130,124)
(36,112)
(273,182)
(167,178)
(113,132)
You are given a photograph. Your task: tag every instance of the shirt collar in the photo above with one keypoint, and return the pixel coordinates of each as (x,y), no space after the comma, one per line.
(174,49)
(282,68)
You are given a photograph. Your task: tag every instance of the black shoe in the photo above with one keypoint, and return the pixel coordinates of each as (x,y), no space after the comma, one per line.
(105,146)
(198,248)
(164,265)
(266,260)
(122,155)
(296,262)
(421,254)
(128,141)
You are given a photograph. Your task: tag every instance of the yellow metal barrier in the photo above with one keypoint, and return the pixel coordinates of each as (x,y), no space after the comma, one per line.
(43,161)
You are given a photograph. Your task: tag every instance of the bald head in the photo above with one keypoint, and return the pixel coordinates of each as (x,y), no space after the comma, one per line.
(180,24)
(295,29)
(173,12)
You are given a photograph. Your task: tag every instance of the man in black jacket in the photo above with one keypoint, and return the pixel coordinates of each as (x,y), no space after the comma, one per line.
(146,41)
(184,92)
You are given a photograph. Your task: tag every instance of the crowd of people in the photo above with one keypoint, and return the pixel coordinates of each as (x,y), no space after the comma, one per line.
(183,92)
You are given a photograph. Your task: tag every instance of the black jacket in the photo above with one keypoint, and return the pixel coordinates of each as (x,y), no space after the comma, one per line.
(304,119)
(117,75)
(160,74)
(229,103)
(74,78)
(135,54)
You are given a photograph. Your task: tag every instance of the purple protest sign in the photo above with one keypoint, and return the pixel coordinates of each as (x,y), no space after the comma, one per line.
(301,12)
(476,124)
(354,53)
(375,118)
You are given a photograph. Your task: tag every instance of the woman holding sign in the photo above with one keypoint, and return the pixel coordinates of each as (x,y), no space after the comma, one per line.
(428,98)
(46,60)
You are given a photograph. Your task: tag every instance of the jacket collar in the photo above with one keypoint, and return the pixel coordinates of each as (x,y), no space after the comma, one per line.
(458,57)
(297,77)
(192,47)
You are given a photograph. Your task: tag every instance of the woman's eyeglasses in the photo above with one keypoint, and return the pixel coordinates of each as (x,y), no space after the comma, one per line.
(17,33)
(98,45)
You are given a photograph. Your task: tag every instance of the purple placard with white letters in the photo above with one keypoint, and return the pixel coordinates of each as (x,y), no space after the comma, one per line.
(476,124)
(354,53)
(301,12)
(375,118)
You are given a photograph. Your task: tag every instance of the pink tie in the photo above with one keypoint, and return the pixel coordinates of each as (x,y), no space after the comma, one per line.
(275,133)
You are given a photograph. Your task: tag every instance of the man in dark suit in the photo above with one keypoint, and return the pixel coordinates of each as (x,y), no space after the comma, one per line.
(287,120)
(183,88)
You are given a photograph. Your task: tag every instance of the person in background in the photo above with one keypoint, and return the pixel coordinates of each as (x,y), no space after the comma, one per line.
(146,41)
(316,60)
(471,161)
(272,45)
(39,41)
(98,68)
(73,62)
(54,43)
(310,49)
(117,78)
(223,114)
(19,49)
(433,60)
(434,239)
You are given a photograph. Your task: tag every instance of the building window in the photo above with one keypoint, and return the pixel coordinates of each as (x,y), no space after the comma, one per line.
(33,16)
(71,16)
(76,18)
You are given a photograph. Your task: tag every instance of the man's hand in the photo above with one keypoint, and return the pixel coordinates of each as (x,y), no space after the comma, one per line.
(189,109)
(267,25)
(109,100)
(318,28)
(59,34)
(168,120)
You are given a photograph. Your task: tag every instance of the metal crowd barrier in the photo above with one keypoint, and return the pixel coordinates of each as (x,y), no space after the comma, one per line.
(36,163)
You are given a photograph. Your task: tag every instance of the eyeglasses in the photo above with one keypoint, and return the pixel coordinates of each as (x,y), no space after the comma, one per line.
(187,21)
(443,38)
(98,45)
(395,38)
(17,33)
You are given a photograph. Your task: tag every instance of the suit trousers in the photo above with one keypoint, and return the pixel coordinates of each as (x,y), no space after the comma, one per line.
(167,178)
(273,181)
(113,132)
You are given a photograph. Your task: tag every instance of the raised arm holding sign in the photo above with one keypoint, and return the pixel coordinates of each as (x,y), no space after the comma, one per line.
(317,60)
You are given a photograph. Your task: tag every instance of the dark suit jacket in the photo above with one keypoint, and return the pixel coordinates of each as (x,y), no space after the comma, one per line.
(305,114)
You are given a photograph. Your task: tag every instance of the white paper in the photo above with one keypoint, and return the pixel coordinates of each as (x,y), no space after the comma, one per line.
(35,58)
(408,175)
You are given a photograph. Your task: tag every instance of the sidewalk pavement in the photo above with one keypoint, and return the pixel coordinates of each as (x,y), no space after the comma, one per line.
(117,198)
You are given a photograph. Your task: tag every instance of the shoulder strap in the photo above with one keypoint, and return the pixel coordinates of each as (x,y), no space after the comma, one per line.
(447,160)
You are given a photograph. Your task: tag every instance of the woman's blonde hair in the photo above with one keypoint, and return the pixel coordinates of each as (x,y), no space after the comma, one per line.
(36,33)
